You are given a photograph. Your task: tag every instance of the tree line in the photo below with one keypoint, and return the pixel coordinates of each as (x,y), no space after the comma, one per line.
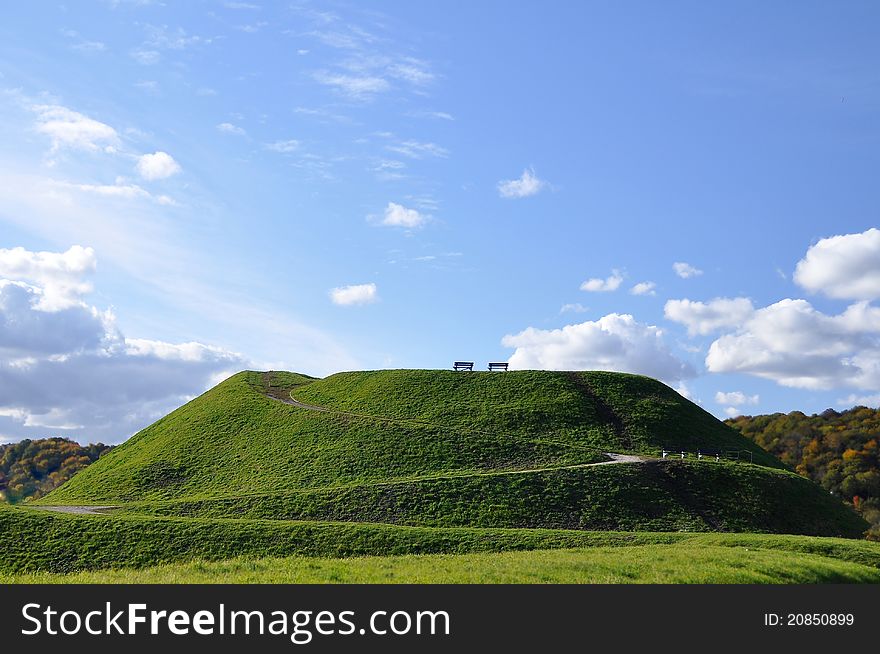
(30,469)
(838,449)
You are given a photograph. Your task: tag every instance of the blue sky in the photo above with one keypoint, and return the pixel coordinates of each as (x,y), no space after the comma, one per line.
(188,189)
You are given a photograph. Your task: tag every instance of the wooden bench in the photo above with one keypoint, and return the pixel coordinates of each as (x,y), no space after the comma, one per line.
(498,365)
(463,365)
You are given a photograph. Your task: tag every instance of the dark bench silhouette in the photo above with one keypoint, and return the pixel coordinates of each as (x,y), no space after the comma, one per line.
(498,365)
(463,365)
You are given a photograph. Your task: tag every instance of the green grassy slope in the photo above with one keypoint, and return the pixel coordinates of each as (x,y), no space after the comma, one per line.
(612,412)
(233,440)
(438,448)
(57,543)
(682,563)
(658,495)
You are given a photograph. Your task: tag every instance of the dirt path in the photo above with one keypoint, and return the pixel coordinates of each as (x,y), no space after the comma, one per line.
(77,510)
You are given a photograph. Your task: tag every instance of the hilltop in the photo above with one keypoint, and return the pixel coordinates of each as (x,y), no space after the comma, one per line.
(446,449)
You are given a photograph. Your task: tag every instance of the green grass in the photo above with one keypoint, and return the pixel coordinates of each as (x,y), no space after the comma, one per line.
(40,541)
(611,412)
(684,563)
(654,496)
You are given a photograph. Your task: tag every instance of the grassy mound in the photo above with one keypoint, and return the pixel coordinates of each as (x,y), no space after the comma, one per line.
(445,449)
(234,440)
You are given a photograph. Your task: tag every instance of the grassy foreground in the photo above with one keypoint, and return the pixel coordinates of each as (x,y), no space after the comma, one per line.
(682,563)
(55,543)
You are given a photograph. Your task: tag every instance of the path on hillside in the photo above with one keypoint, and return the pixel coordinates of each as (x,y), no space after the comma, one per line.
(613,457)
(77,510)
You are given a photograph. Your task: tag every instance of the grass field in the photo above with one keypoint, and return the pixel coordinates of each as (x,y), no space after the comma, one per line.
(663,564)
(54,543)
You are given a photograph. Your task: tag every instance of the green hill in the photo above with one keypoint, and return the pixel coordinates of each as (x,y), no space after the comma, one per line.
(445,449)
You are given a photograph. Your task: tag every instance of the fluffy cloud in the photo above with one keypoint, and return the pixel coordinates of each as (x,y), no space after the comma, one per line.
(396,215)
(354,294)
(597,285)
(69,129)
(573,307)
(64,365)
(795,345)
(528,184)
(158,165)
(736,398)
(644,288)
(58,278)
(614,342)
(843,267)
(686,270)
(706,317)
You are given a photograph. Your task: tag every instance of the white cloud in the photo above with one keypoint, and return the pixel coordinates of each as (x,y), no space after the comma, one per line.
(290,145)
(793,344)
(442,115)
(59,277)
(736,398)
(354,294)
(706,317)
(71,129)
(860,400)
(597,285)
(396,215)
(158,165)
(843,267)
(685,391)
(121,189)
(686,270)
(389,169)
(229,128)
(66,366)
(165,38)
(574,307)
(528,184)
(146,57)
(614,342)
(356,87)
(417,150)
(644,288)
(412,71)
